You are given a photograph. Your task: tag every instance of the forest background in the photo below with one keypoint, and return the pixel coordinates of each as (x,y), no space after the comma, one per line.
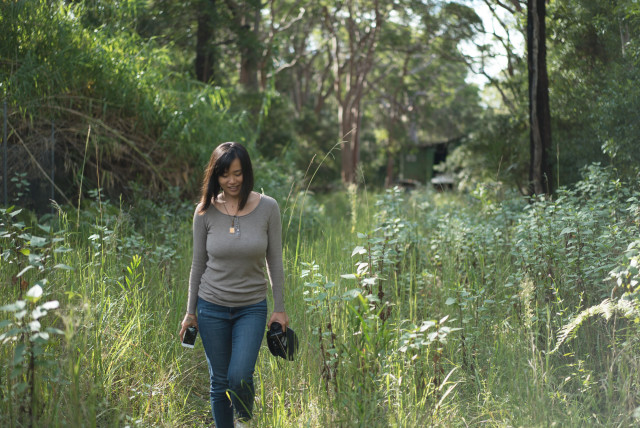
(485,305)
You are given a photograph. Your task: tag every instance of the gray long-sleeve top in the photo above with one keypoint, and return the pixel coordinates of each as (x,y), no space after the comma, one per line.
(228,268)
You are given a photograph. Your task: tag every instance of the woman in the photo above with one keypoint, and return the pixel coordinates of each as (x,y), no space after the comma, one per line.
(235,230)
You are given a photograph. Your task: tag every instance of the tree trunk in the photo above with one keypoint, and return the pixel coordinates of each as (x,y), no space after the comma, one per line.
(350,69)
(249,45)
(348,135)
(246,27)
(205,54)
(539,114)
(388,181)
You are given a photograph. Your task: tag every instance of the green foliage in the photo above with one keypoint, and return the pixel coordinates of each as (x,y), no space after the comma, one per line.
(29,341)
(74,63)
(362,338)
(108,309)
(497,152)
(31,369)
(449,307)
(414,309)
(593,61)
(617,118)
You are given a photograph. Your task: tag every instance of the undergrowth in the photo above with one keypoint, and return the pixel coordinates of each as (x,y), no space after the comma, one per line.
(413,309)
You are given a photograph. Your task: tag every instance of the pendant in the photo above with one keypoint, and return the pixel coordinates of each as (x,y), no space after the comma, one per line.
(235,227)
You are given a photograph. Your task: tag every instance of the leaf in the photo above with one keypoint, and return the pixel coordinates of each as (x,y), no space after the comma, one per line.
(62,266)
(54,330)
(358,250)
(348,276)
(37,241)
(10,335)
(35,325)
(443,319)
(35,293)
(351,294)
(40,337)
(13,307)
(24,270)
(567,230)
(18,355)
(5,323)
(38,313)
(450,301)
(427,325)
(52,304)
(25,251)
(35,259)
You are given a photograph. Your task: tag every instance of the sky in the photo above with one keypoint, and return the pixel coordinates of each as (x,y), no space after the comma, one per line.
(496,65)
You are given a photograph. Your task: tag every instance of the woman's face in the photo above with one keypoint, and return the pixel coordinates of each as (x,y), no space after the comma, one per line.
(231,180)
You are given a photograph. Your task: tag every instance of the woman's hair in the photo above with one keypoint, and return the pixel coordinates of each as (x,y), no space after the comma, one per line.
(219,163)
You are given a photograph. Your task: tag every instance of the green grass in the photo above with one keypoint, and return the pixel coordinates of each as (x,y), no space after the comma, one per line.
(506,286)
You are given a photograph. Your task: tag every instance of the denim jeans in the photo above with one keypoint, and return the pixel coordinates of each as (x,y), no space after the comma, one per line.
(231,338)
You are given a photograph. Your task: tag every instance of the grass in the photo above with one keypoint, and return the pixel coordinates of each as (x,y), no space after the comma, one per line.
(413,310)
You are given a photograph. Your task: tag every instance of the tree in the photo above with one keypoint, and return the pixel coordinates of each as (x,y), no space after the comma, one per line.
(593,60)
(205,52)
(245,24)
(539,113)
(353,28)
(420,88)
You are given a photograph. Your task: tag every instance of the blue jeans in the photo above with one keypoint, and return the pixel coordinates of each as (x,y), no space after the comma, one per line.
(231,338)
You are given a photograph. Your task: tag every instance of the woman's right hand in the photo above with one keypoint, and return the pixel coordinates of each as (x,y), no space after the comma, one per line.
(188,321)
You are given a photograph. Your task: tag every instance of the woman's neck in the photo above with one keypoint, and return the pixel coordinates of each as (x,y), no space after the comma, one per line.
(230,199)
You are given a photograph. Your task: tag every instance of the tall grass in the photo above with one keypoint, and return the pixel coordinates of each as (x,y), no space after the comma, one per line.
(434,310)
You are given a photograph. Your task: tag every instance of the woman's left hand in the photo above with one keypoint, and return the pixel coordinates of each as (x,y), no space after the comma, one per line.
(281,318)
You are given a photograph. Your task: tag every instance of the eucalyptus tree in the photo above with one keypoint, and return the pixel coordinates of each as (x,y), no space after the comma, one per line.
(304,65)
(353,27)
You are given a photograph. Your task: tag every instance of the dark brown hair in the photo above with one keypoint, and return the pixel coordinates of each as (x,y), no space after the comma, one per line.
(219,163)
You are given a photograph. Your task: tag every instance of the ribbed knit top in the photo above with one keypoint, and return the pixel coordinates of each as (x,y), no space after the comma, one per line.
(228,268)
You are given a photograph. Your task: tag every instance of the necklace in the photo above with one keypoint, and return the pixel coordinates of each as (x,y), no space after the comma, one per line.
(235,224)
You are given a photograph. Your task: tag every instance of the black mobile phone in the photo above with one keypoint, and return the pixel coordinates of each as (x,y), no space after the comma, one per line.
(189,338)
